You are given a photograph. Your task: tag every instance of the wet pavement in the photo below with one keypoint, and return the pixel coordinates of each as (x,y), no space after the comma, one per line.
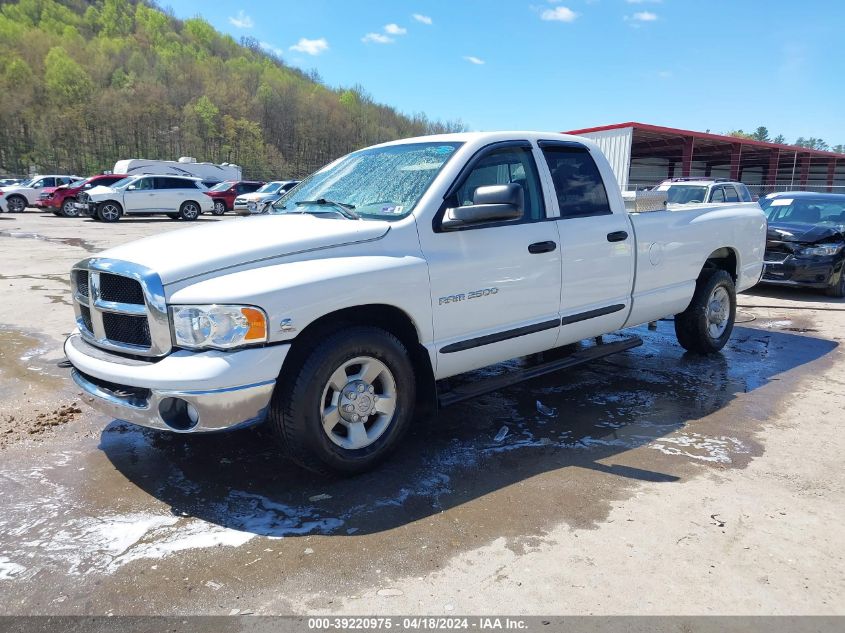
(101,517)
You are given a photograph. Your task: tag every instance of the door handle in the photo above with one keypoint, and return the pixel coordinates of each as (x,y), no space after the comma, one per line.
(542,247)
(617,236)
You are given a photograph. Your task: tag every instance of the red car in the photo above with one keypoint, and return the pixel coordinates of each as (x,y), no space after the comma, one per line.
(61,200)
(224,194)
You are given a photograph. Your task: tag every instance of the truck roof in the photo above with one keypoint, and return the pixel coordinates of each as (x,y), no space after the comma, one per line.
(491,137)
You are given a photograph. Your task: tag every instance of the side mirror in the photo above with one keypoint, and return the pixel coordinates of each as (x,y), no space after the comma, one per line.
(492,203)
(131,188)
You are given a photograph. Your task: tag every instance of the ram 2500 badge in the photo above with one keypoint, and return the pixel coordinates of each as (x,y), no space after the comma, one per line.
(333,318)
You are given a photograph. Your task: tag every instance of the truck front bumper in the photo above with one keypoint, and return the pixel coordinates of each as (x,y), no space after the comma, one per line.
(185,392)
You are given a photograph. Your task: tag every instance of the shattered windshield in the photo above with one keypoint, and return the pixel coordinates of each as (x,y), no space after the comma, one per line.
(382,182)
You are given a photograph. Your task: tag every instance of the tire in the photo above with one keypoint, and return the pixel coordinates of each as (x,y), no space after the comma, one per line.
(838,289)
(173,216)
(302,409)
(109,211)
(68,210)
(705,327)
(16,204)
(219,207)
(189,211)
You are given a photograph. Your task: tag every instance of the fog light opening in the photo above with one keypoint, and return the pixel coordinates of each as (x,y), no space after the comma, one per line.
(178,414)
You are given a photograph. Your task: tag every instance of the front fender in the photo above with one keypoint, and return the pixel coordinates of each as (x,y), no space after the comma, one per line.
(298,293)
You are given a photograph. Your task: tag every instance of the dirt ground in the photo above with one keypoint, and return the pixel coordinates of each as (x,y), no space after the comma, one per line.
(651,482)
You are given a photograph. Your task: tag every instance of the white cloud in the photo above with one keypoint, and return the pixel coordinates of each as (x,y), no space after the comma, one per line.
(424,19)
(242,20)
(377,38)
(559,14)
(644,16)
(394,29)
(311,47)
(472,59)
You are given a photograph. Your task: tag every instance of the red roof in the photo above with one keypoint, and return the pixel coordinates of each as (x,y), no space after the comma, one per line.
(705,135)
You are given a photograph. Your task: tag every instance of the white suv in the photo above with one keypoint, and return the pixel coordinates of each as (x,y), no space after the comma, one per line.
(704,190)
(17,198)
(178,197)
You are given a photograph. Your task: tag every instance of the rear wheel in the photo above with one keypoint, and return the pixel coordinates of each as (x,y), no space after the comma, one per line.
(69,209)
(189,210)
(345,406)
(706,325)
(16,204)
(838,289)
(109,211)
(219,207)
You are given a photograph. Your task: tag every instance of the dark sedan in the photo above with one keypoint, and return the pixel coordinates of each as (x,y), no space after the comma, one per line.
(806,240)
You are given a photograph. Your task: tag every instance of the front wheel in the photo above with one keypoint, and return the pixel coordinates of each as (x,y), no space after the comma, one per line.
(189,211)
(706,325)
(16,204)
(69,209)
(219,207)
(109,212)
(346,405)
(837,289)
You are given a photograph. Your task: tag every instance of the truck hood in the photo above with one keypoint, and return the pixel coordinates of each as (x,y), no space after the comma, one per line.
(805,233)
(182,254)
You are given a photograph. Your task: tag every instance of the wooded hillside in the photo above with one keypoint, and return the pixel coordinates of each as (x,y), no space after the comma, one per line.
(83,84)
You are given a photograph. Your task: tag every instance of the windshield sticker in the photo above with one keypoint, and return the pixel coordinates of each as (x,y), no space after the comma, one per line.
(782,202)
(393,209)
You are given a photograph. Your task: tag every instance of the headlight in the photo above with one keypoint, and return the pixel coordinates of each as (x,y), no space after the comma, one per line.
(820,250)
(218,326)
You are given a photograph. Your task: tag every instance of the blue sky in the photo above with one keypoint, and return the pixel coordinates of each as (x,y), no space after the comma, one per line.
(567,64)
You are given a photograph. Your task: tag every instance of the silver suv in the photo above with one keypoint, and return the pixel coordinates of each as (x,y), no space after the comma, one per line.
(704,190)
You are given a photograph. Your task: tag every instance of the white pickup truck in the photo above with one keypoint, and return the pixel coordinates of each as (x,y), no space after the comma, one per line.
(393,268)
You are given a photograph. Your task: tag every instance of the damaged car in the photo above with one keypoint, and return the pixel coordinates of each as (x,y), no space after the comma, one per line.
(805,244)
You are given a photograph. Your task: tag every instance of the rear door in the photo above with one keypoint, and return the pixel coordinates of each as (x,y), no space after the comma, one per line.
(597,244)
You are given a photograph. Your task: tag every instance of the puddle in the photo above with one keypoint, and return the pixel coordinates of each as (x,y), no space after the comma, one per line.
(78,242)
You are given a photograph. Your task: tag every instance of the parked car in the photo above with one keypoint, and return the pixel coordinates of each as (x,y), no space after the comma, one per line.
(806,240)
(9,182)
(700,190)
(392,268)
(224,194)
(62,201)
(178,197)
(252,202)
(18,197)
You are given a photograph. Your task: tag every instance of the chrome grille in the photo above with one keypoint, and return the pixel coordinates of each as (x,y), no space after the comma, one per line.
(125,328)
(120,307)
(121,289)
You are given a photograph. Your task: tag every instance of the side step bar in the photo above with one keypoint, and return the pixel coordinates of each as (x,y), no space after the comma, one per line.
(477,388)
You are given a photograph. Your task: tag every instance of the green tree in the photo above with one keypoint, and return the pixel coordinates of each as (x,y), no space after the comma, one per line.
(760,134)
(66,81)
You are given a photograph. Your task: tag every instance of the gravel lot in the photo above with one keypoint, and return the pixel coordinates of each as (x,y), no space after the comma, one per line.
(651,482)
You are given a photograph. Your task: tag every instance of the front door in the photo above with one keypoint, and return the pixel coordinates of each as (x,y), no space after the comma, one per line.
(495,288)
(140,198)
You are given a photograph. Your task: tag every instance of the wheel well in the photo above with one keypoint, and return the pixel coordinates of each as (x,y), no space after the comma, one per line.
(385,317)
(722,259)
(119,206)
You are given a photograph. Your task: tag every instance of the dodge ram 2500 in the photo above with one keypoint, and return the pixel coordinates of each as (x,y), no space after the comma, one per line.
(334,317)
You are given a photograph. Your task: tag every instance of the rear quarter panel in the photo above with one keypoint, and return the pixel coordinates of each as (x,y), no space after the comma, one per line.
(673,246)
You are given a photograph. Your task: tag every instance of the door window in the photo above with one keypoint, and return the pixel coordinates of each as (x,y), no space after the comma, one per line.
(578,184)
(718,195)
(730,194)
(508,165)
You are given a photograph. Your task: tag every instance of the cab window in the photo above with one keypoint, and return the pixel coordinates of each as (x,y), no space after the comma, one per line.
(578,184)
(717,195)
(508,165)
(730,194)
